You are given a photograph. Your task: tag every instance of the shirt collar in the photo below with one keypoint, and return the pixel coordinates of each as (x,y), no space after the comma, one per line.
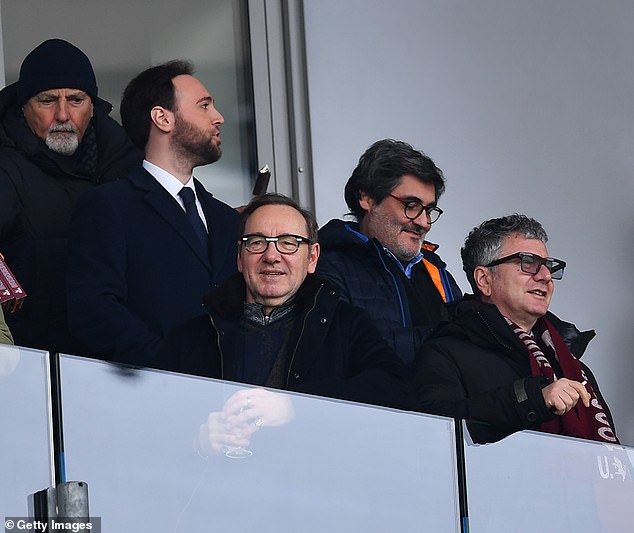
(169,182)
(407,269)
(355,232)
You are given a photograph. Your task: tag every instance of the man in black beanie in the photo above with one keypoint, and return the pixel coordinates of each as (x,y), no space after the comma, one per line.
(56,141)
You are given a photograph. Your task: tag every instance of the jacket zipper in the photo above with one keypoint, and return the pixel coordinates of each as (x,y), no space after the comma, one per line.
(398,292)
(222,359)
(301,333)
(493,333)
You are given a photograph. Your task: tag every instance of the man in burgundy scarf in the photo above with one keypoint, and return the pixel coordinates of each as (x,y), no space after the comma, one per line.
(504,363)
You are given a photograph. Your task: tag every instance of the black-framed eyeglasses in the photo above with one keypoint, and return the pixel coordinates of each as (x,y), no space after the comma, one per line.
(531,263)
(286,244)
(413,208)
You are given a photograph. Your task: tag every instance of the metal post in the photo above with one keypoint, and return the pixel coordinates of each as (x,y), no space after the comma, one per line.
(72,500)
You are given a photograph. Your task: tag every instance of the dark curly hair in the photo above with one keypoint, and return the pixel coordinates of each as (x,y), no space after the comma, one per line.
(381,168)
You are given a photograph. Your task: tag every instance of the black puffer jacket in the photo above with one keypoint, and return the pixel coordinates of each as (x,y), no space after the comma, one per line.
(38,191)
(475,368)
(368,278)
(333,350)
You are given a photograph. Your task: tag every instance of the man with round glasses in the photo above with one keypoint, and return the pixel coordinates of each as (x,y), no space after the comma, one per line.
(505,363)
(275,324)
(382,263)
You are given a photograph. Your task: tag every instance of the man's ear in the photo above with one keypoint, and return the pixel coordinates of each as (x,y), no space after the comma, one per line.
(483,279)
(162,118)
(313,256)
(365,201)
(239,257)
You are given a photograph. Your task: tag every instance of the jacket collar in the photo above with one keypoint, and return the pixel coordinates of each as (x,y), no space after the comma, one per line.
(470,313)
(15,132)
(227,301)
(167,208)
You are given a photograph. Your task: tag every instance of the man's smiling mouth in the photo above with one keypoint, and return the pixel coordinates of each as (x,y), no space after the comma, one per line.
(539,292)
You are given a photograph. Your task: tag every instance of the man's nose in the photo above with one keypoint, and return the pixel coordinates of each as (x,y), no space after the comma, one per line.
(543,273)
(423,220)
(271,254)
(61,111)
(217,118)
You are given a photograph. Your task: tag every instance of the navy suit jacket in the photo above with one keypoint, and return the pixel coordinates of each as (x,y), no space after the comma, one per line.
(136,268)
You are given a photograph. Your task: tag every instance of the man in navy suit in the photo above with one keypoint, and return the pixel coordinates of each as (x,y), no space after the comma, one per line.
(146,248)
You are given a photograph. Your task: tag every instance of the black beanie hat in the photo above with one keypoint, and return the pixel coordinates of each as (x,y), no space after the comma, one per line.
(55,64)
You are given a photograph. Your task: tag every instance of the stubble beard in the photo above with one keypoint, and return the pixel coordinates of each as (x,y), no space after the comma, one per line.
(404,252)
(388,231)
(195,146)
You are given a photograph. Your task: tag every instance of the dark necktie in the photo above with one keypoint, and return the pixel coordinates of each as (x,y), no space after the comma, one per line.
(189,200)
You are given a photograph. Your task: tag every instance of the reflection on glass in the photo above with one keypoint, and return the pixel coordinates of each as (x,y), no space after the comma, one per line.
(580,485)
(151,447)
(9,359)
(24,439)
(245,412)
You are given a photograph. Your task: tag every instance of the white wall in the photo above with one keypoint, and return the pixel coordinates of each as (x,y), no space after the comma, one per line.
(526,106)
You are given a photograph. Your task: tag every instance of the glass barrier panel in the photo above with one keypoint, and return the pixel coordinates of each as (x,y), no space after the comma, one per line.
(162,452)
(25,455)
(534,481)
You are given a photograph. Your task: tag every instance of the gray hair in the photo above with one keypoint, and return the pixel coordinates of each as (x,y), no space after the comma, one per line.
(273,198)
(482,246)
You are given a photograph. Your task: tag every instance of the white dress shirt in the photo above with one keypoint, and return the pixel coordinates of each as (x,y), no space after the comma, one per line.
(173,186)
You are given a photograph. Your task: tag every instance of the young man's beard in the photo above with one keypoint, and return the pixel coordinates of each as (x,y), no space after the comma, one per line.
(199,146)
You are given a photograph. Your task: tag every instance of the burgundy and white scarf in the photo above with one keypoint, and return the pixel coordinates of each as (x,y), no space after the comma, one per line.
(581,421)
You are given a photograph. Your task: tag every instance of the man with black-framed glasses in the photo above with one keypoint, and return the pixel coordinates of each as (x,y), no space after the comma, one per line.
(278,325)
(382,262)
(505,363)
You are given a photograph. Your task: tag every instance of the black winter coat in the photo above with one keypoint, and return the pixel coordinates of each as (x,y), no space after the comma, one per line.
(38,191)
(475,368)
(368,278)
(333,348)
